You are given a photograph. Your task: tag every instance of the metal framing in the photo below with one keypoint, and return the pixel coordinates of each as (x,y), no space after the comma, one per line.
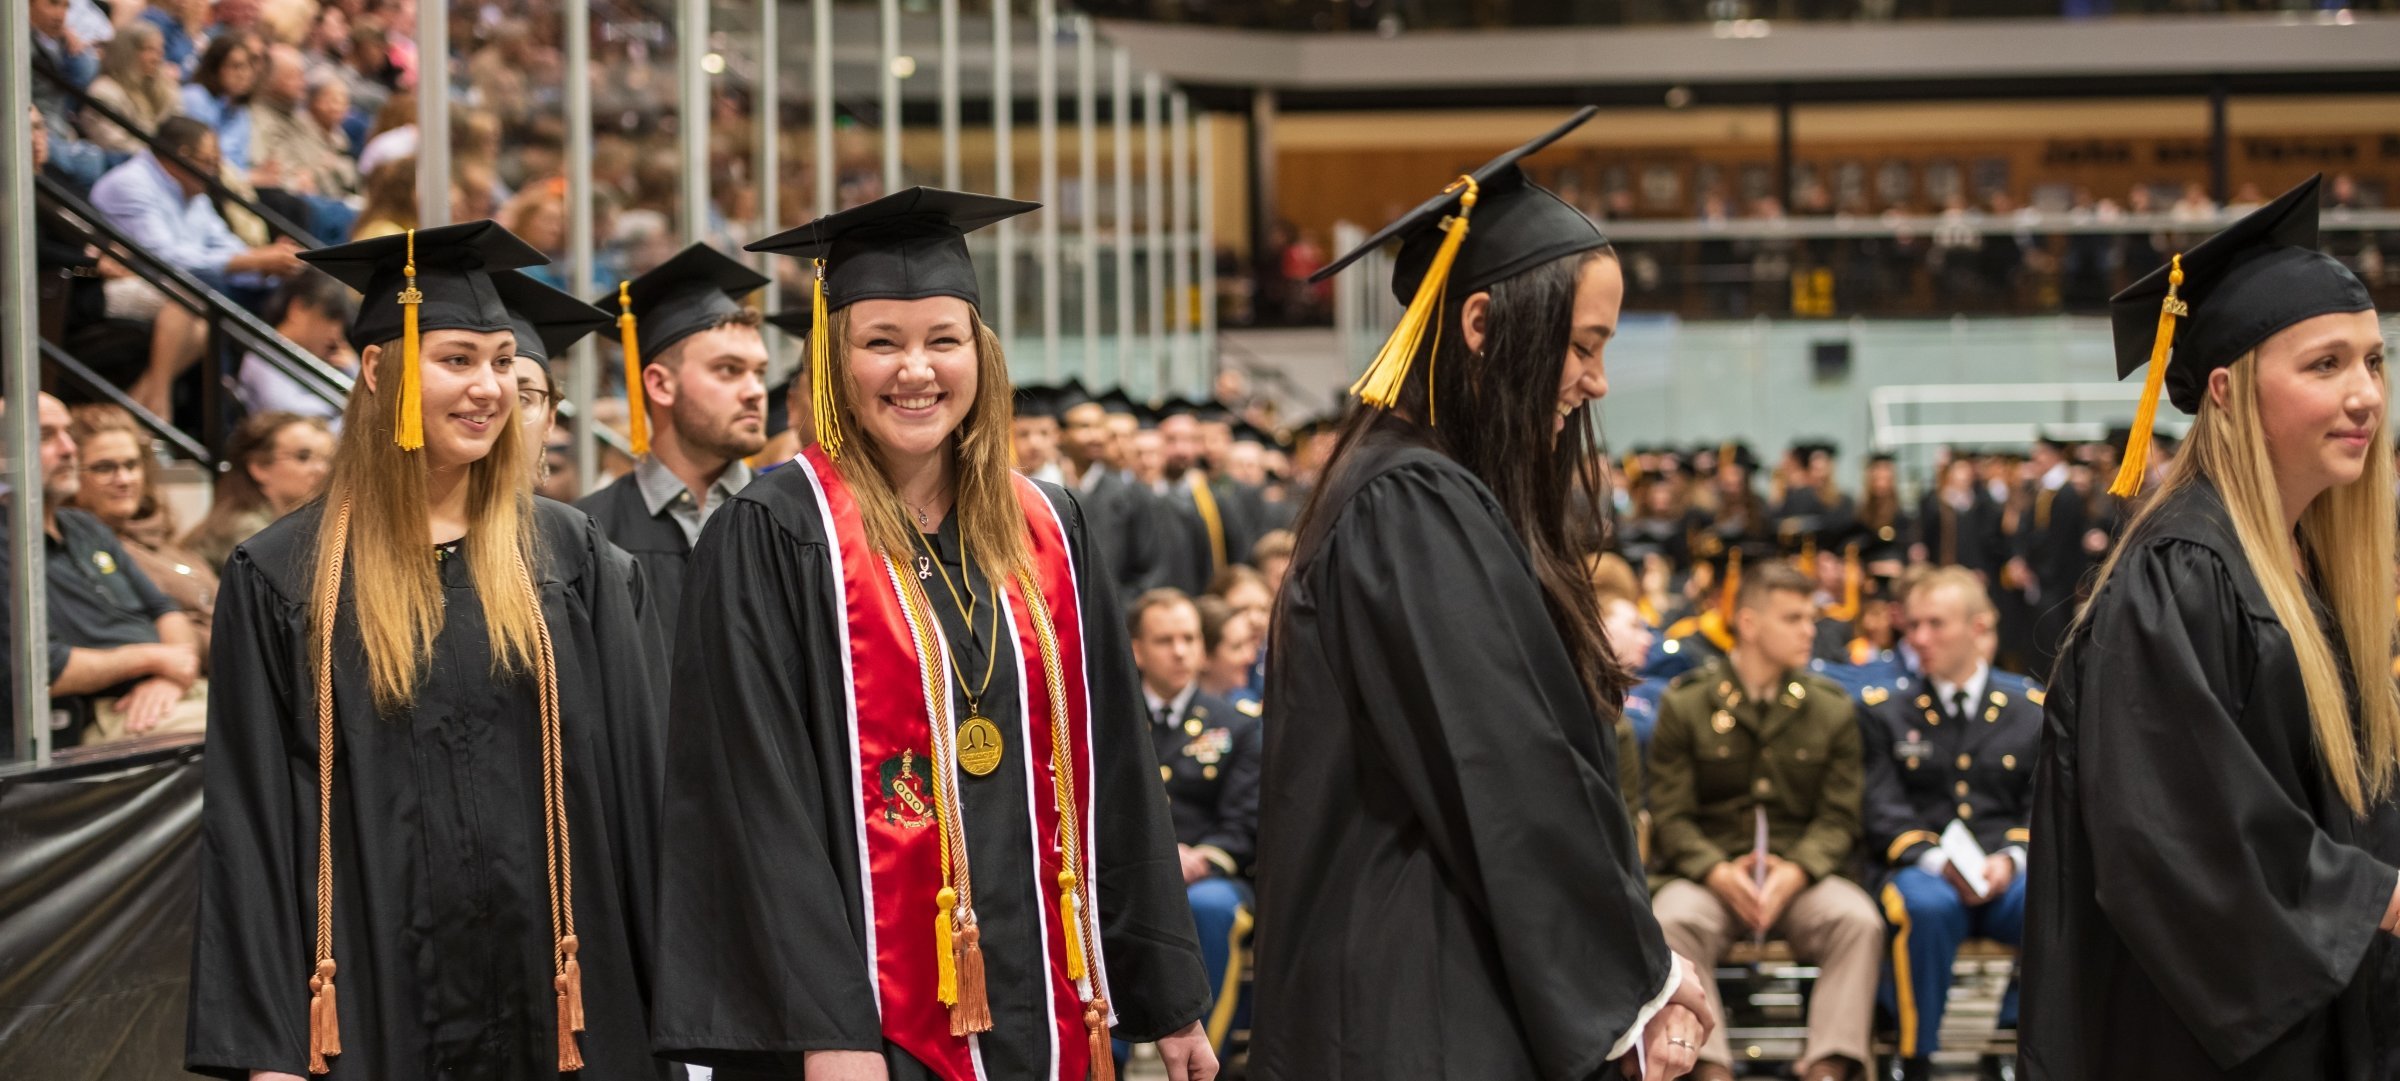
(1204,240)
(28,612)
(433,113)
(1045,82)
(1087,177)
(820,102)
(887,76)
(949,77)
(1154,213)
(692,113)
(1004,165)
(583,376)
(1179,245)
(767,107)
(1120,118)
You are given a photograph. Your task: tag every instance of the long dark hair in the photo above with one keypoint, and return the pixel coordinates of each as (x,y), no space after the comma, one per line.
(1494,414)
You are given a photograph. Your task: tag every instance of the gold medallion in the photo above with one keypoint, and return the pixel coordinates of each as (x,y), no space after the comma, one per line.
(1191,726)
(979,745)
(1722,722)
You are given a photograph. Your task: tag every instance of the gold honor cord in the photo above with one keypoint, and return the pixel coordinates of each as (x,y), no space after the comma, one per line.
(1075,910)
(324,1016)
(958,950)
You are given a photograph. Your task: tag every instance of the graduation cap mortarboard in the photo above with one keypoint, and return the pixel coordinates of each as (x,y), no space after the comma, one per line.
(690,292)
(420,280)
(1036,401)
(1069,395)
(546,320)
(909,245)
(796,322)
(2212,305)
(1518,225)
(1115,400)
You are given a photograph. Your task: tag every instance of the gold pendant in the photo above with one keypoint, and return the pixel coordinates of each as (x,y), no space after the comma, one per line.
(979,745)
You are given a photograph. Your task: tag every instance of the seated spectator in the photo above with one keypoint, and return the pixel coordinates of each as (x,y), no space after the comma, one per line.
(165,208)
(328,108)
(1208,752)
(183,28)
(1246,592)
(1753,743)
(1629,640)
(137,81)
(312,311)
(1923,775)
(123,660)
(391,200)
(60,55)
(273,463)
(101,314)
(538,216)
(1272,555)
(367,70)
(120,488)
(392,136)
(290,155)
(327,43)
(219,95)
(1228,648)
(99,25)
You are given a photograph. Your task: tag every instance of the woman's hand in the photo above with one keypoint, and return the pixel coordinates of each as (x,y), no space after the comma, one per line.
(1188,1056)
(270,1075)
(845,1066)
(1671,1044)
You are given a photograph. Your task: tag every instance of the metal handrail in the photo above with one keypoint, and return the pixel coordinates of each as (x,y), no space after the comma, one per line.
(208,178)
(253,333)
(94,382)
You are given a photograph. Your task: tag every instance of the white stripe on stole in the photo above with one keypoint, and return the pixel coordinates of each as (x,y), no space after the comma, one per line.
(858,794)
(1087,793)
(1033,789)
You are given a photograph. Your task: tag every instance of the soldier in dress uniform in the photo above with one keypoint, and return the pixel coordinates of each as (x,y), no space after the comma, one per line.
(1959,750)
(1208,754)
(1755,742)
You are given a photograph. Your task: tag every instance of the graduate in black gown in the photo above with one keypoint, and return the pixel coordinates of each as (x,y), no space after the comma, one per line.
(2217,766)
(482,888)
(878,863)
(1448,882)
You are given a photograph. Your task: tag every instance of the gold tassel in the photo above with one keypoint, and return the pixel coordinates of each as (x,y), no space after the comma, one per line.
(409,424)
(572,973)
(973,1014)
(1853,584)
(2136,466)
(820,373)
(945,949)
(1068,916)
(1380,385)
(1095,1022)
(1731,590)
(637,414)
(324,1019)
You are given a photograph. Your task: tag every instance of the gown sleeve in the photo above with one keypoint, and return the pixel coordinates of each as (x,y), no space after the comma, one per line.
(1472,707)
(633,694)
(252,948)
(758,958)
(1155,979)
(2243,912)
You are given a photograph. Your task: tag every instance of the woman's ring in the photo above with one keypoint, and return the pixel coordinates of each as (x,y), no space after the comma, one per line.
(1683,1043)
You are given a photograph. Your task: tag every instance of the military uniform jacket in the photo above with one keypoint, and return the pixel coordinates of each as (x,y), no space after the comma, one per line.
(1925,769)
(1717,753)
(1208,756)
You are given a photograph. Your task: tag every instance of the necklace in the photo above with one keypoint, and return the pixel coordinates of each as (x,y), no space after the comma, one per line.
(979,744)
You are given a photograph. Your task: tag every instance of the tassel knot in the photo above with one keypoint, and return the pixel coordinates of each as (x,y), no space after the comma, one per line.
(973,1014)
(324,1019)
(1070,914)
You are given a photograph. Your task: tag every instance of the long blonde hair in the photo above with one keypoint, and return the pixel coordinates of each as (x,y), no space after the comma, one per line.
(991,522)
(396,587)
(2349,531)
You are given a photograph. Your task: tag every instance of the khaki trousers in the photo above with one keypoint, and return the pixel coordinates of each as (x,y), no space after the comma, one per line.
(189,715)
(1831,923)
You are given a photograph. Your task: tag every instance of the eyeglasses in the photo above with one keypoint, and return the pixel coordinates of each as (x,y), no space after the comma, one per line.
(529,399)
(297,457)
(112,470)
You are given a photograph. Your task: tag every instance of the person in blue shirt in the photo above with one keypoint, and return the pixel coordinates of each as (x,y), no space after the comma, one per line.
(219,94)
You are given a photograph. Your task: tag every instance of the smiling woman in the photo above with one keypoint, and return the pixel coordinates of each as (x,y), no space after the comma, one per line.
(2222,745)
(842,775)
(427,625)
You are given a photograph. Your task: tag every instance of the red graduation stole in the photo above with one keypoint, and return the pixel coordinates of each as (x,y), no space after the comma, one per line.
(905,810)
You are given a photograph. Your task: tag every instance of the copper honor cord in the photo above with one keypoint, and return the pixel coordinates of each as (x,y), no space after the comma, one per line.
(324,1018)
(958,942)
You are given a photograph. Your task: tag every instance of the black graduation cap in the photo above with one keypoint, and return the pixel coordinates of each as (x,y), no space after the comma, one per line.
(1115,400)
(689,293)
(2211,305)
(908,245)
(796,322)
(546,320)
(1069,395)
(1246,432)
(420,280)
(1178,407)
(1033,400)
(454,265)
(1487,226)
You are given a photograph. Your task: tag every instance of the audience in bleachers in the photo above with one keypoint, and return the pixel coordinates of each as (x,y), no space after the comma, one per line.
(312,311)
(219,95)
(272,464)
(137,82)
(120,488)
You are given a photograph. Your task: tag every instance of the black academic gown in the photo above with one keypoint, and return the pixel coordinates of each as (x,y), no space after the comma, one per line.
(653,540)
(2199,905)
(1448,883)
(762,925)
(1129,529)
(441,926)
